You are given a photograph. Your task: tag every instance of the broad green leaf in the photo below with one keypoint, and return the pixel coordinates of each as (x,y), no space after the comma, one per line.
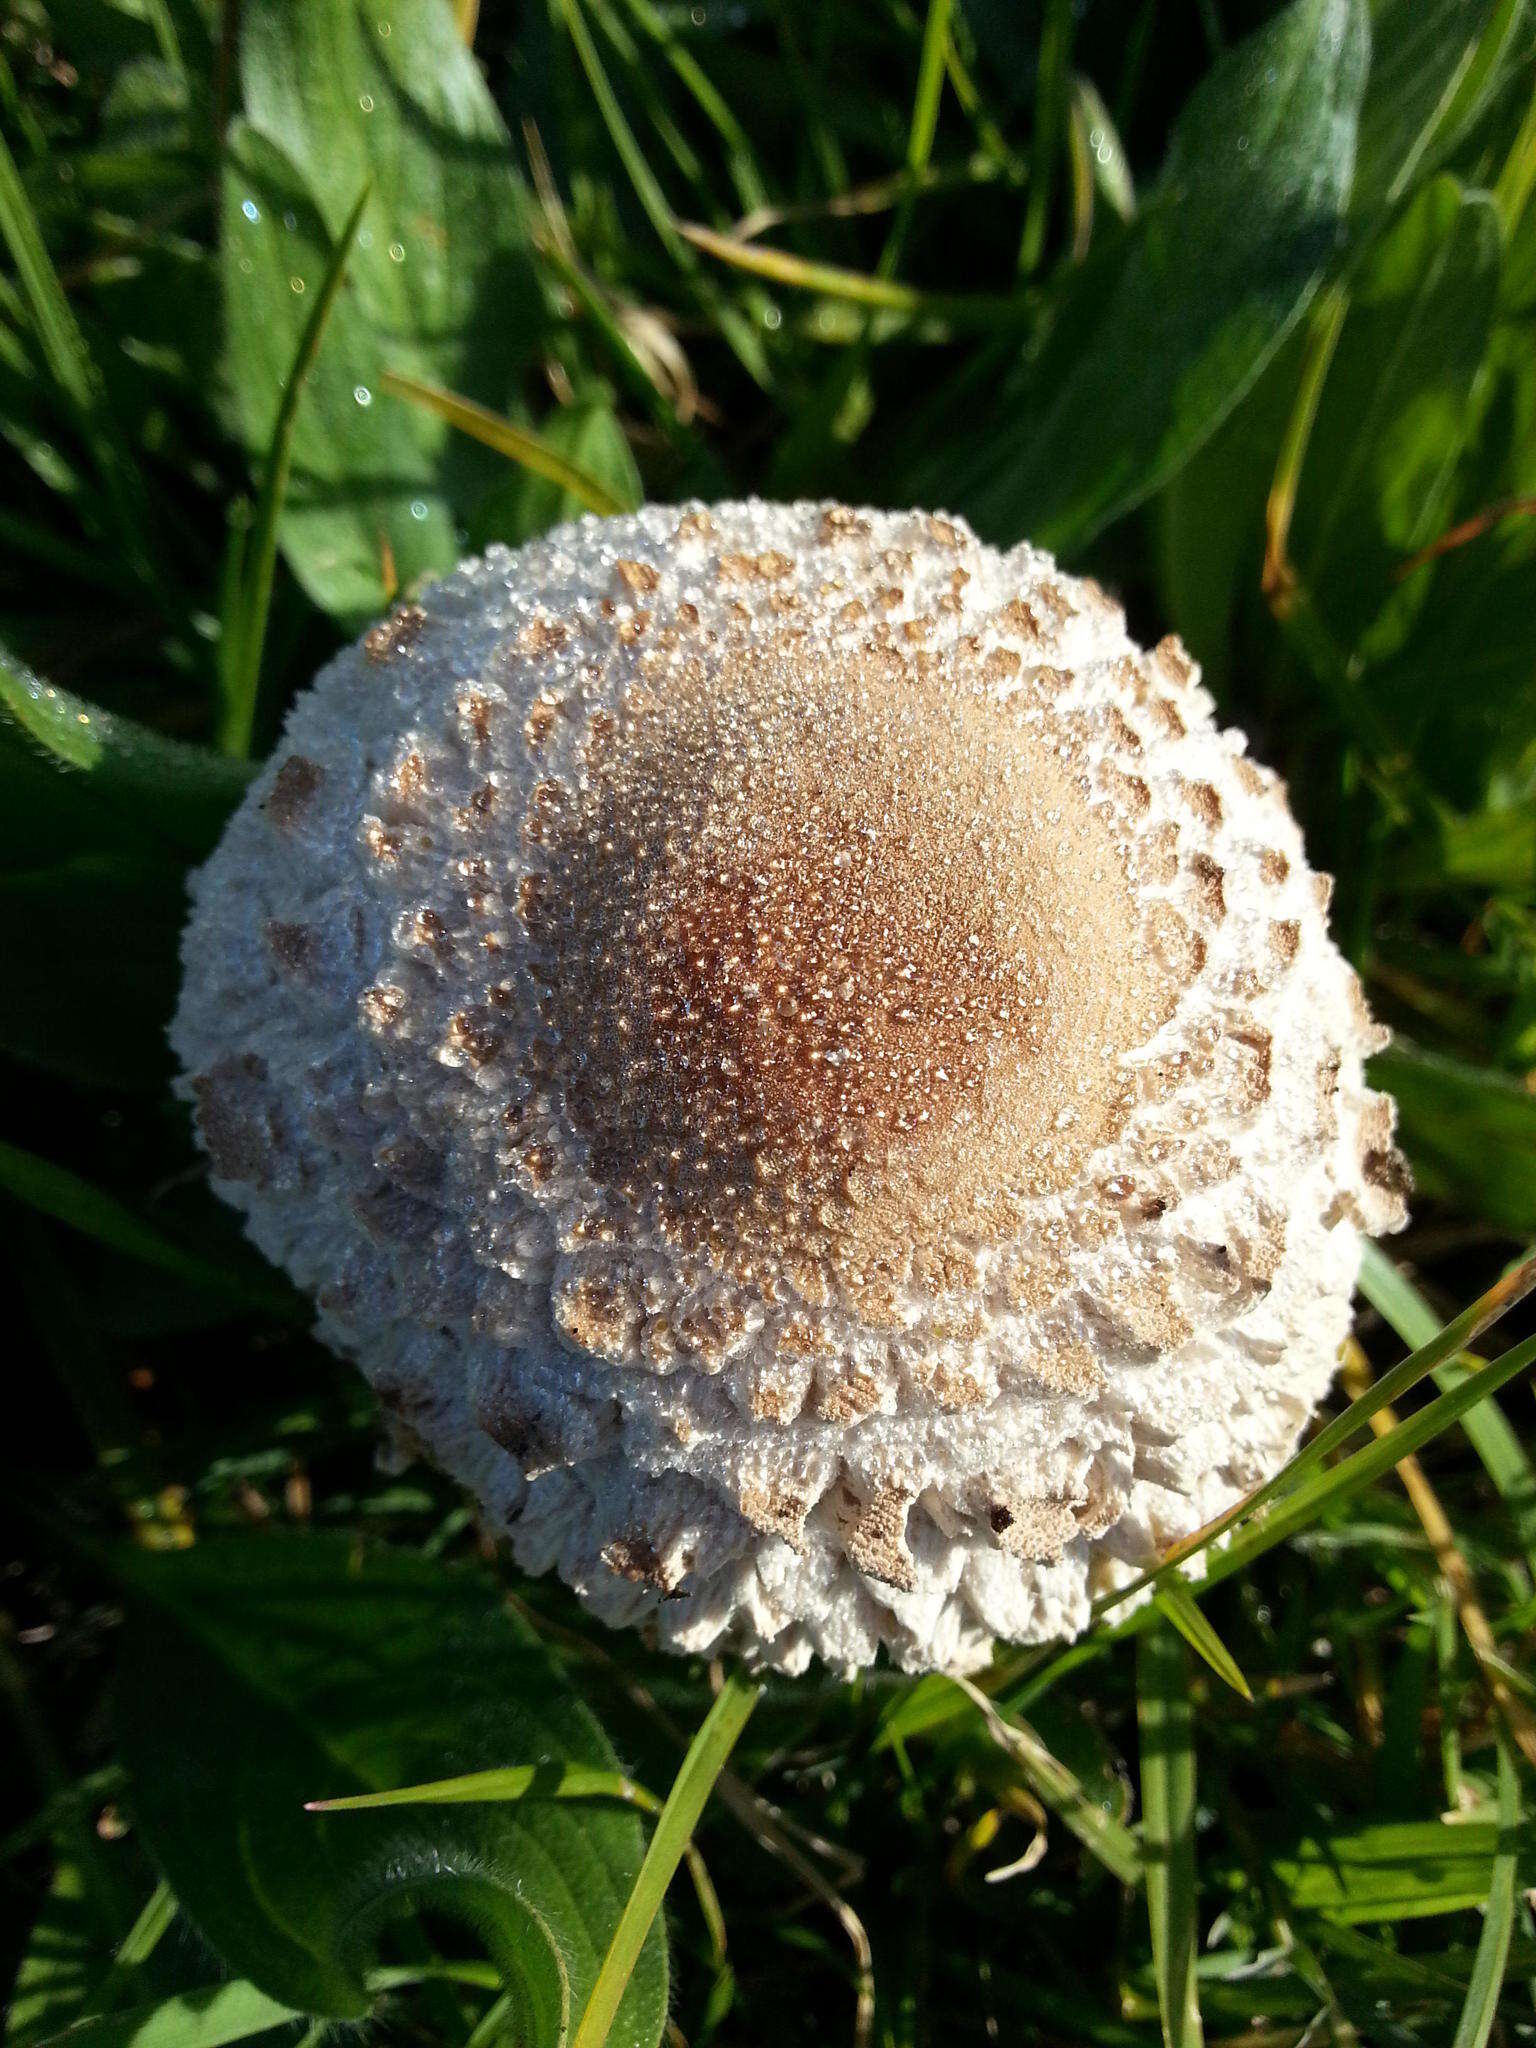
(1397,408)
(1157,343)
(1492,849)
(1434,66)
(180,794)
(1166,1729)
(209,2017)
(1394,1871)
(439,287)
(260,1674)
(1469,1132)
(1460,693)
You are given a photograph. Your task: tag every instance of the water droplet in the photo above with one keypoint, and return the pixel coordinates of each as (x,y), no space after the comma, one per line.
(418,508)
(362,394)
(383,28)
(1242,144)
(773,319)
(697,17)
(365,238)
(296,284)
(365,101)
(397,252)
(250,209)
(290,221)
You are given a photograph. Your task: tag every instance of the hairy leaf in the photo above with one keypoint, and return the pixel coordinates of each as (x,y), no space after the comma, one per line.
(260,1674)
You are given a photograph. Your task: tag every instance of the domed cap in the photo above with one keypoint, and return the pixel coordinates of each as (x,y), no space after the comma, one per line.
(804,1068)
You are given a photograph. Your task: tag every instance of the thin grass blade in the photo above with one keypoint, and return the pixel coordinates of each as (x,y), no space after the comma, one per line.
(1475,2026)
(516,443)
(738,334)
(673,1833)
(240,676)
(1179,1606)
(1341,1482)
(55,1192)
(1166,1722)
(1510,1288)
(857,287)
(1058,1788)
(74,370)
(1393,1295)
(512,1781)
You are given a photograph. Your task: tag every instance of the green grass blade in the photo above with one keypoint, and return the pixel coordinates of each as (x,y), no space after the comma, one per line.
(159,16)
(72,367)
(1050,125)
(138,1944)
(712,104)
(1510,1288)
(1343,1481)
(516,443)
(1179,1606)
(1393,1295)
(738,334)
(930,88)
(857,287)
(58,333)
(1166,1723)
(512,1781)
(240,675)
(55,1192)
(1475,2026)
(673,1833)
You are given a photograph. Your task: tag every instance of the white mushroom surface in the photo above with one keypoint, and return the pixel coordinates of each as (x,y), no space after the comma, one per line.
(805,1068)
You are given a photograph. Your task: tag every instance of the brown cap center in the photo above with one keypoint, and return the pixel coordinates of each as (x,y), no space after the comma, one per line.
(832,949)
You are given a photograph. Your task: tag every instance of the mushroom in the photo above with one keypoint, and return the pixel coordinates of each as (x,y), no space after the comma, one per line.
(805,1068)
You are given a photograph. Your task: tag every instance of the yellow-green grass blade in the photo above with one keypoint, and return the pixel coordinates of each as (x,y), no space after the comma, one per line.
(672,1835)
(517,443)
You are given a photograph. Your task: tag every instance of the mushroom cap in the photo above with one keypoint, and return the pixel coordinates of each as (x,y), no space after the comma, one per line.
(803,1066)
